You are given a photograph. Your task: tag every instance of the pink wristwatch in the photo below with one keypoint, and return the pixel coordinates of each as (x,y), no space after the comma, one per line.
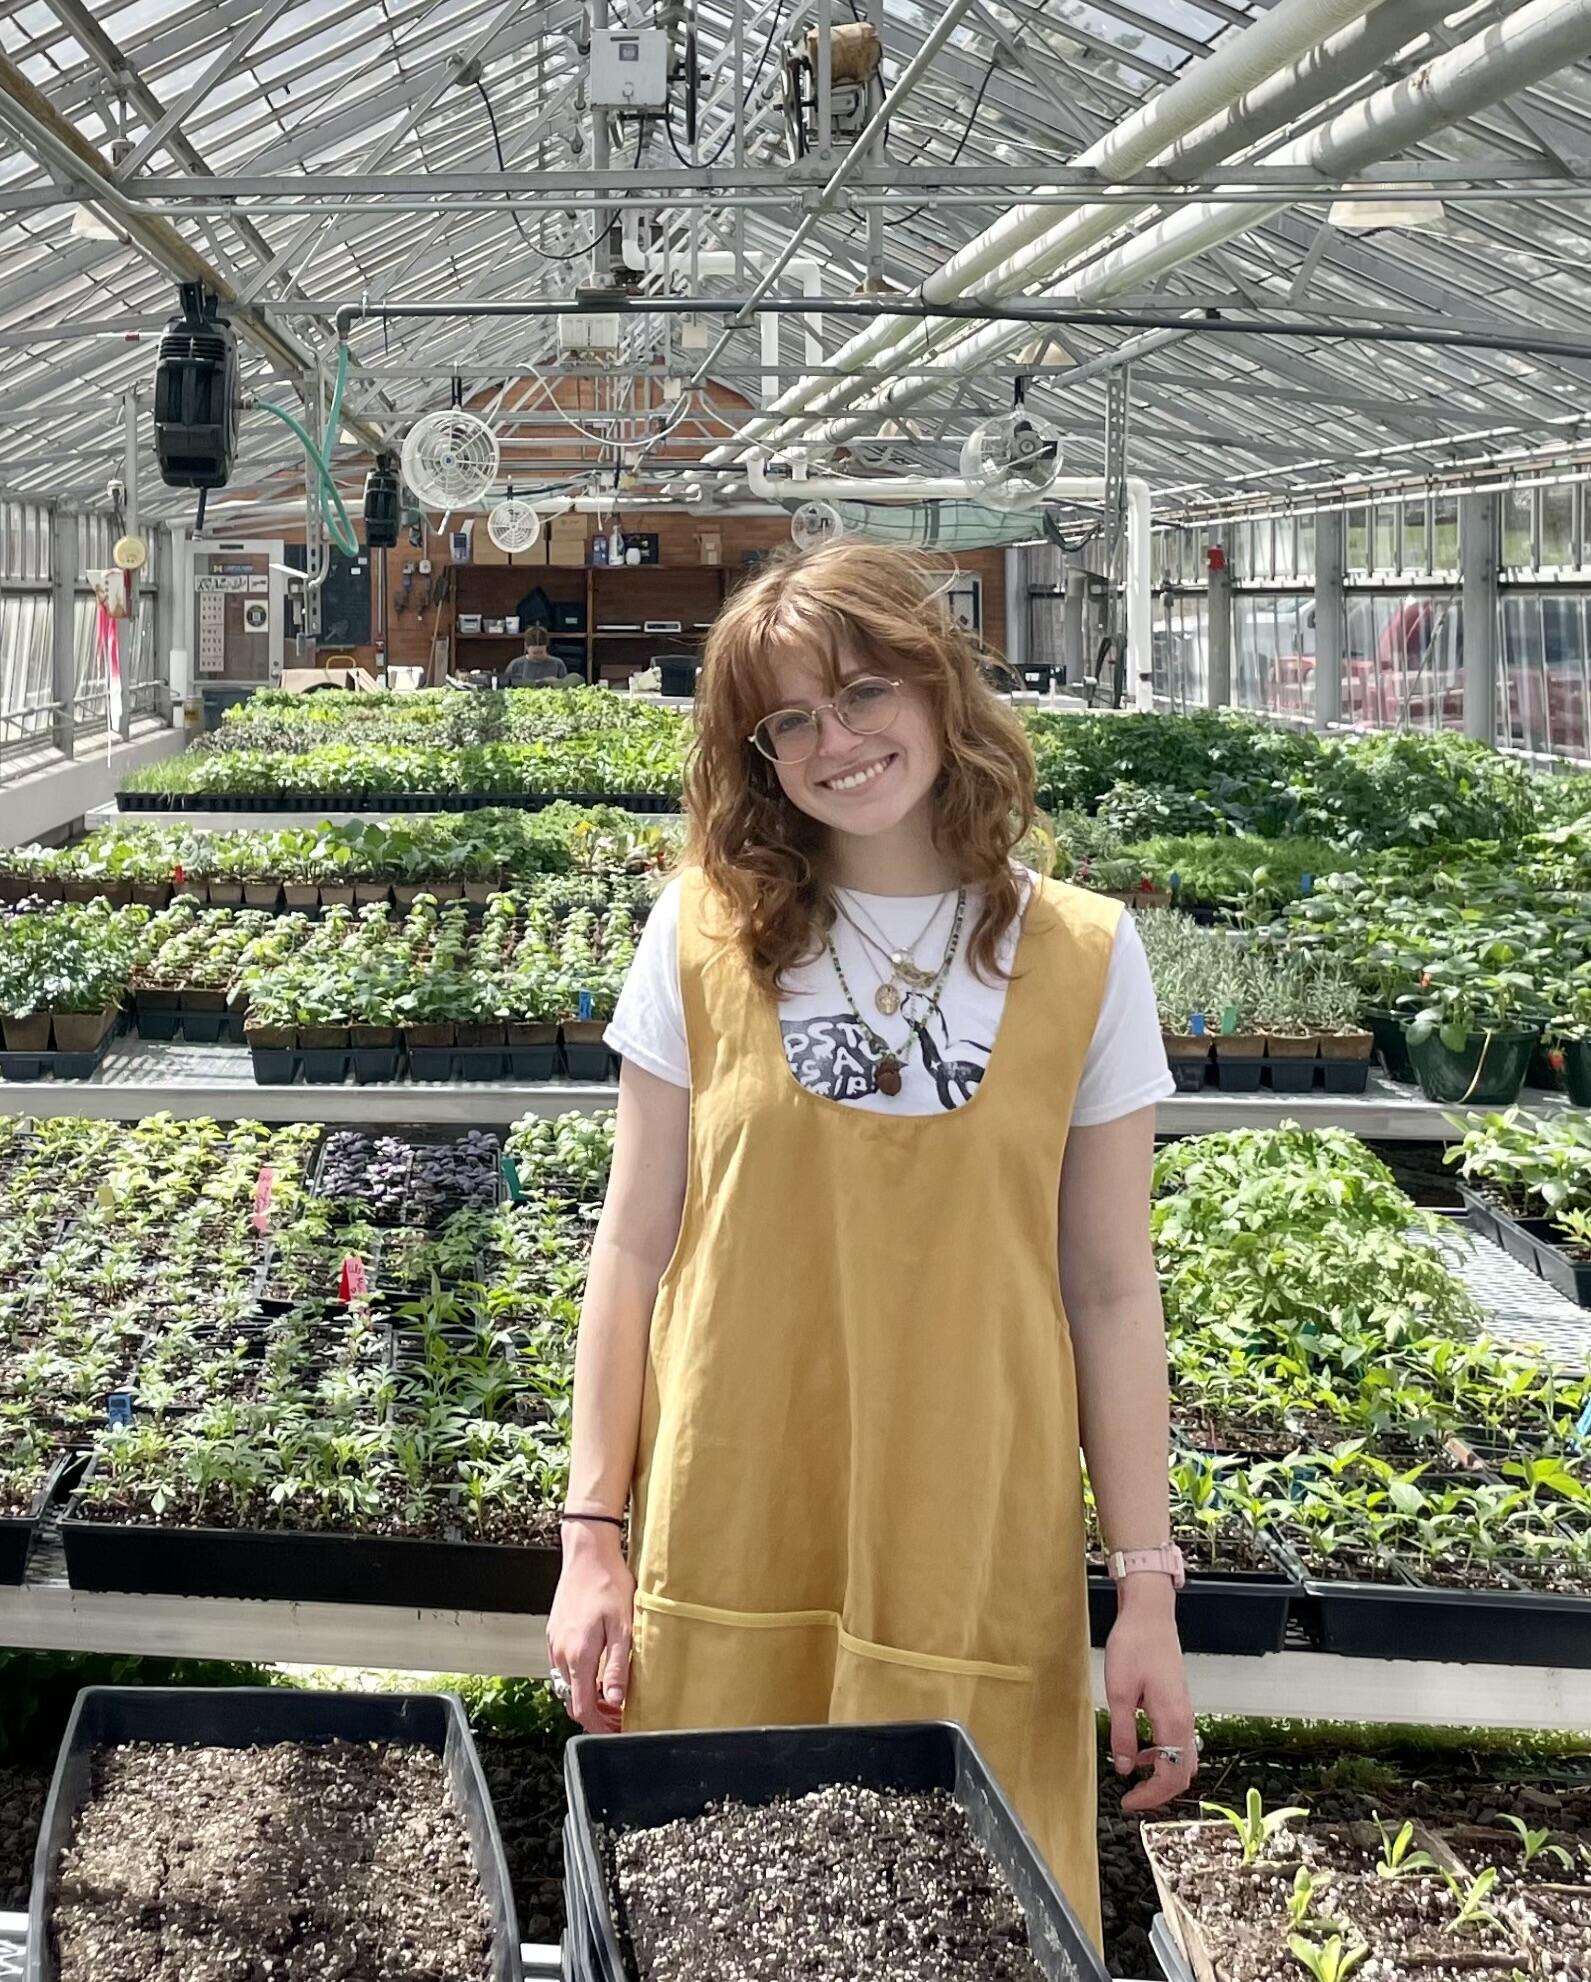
(1165,1561)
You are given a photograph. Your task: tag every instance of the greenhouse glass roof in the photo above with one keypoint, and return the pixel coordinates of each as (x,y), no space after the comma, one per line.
(309,154)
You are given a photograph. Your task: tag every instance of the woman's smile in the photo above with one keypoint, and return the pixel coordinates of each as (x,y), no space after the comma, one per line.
(857,777)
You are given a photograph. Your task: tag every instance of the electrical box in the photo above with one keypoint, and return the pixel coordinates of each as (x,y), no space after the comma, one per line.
(239,609)
(629,68)
(588,336)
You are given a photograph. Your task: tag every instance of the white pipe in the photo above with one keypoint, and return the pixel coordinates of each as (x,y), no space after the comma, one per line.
(951,488)
(805,269)
(1533,43)
(1208,90)
(1309,82)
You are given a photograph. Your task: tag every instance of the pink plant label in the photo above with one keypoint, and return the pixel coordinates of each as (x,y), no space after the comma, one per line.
(263,1188)
(354,1283)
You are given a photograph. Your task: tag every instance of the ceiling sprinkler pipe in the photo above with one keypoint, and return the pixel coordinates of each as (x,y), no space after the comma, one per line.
(1344,59)
(1241,65)
(953,488)
(1530,44)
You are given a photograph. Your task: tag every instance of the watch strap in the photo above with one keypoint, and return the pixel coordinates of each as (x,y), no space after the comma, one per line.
(1164,1561)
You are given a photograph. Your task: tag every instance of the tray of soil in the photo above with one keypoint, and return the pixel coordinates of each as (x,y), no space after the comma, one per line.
(193,1832)
(112,1548)
(834,1853)
(1226,1917)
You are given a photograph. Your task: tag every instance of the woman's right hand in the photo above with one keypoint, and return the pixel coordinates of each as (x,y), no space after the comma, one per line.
(589,1629)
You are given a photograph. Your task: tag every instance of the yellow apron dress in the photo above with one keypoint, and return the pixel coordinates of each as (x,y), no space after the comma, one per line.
(857,1496)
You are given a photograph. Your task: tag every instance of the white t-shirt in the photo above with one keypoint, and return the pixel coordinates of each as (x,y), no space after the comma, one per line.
(829,1051)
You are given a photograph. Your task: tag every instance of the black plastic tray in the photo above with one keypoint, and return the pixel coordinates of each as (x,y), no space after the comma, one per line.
(1464,1627)
(626,1782)
(55,1066)
(17,1531)
(1241,1615)
(308,1567)
(253,1716)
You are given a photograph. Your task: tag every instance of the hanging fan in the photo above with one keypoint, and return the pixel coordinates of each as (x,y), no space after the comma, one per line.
(450,459)
(1009,462)
(816,523)
(514,524)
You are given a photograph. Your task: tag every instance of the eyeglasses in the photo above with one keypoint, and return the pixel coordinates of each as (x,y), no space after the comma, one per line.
(865,706)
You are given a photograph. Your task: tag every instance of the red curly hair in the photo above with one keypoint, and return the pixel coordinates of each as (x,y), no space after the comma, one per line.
(763,857)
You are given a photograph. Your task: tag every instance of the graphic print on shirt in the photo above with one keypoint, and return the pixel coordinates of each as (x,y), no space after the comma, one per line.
(833,1056)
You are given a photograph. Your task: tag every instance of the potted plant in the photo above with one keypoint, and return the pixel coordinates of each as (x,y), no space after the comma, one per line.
(1471,1040)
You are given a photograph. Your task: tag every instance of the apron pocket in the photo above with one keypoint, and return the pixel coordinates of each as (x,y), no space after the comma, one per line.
(694,1666)
(994,1703)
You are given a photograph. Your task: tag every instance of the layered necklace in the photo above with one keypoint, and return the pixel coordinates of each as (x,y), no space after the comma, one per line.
(925,985)
(905,974)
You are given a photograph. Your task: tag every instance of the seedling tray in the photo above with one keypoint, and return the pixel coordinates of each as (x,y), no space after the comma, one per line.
(55,1066)
(1534,1242)
(1463,1627)
(17,1531)
(633,1781)
(251,1717)
(290,1567)
(1217,1611)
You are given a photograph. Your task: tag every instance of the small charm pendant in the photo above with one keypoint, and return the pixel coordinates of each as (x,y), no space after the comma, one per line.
(887,1078)
(887,999)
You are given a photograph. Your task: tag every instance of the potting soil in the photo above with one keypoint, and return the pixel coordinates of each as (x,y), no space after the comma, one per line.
(838,1886)
(287,1863)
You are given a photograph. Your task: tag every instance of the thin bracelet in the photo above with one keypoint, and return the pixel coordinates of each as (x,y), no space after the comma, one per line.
(608,1520)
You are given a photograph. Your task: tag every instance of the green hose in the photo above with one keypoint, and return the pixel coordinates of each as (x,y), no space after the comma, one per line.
(333,511)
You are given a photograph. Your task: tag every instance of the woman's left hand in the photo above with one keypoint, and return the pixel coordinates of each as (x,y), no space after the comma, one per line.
(1143,1669)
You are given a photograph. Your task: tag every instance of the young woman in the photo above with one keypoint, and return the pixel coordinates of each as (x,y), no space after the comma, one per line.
(875,1252)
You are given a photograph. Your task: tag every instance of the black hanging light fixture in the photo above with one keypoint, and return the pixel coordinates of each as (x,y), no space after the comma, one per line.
(383,504)
(196,394)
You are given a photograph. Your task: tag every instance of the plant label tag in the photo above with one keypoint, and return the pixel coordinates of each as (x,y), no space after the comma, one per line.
(511,1183)
(1175,881)
(264,1185)
(119,1408)
(585,1006)
(1229,1019)
(1582,1430)
(1196,1024)
(1306,883)
(178,876)
(353,1282)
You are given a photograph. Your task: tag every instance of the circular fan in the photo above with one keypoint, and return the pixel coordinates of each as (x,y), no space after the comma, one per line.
(816,523)
(1010,462)
(450,459)
(130,554)
(514,525)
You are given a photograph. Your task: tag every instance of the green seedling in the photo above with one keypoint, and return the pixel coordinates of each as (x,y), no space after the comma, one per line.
(1254,1824)
(1329,1961)
(1538,1844)
(1472,1908)
(1397,1859)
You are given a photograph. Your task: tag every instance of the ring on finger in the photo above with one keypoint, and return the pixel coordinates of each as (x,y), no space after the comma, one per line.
(560,1686)
(1170,1753)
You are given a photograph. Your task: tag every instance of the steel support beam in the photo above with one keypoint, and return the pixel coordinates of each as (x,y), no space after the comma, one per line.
(1330,618)
(1479,550)
(50,138)
(63,628)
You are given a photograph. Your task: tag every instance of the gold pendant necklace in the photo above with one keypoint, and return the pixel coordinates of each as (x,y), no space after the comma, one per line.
(890,995)
(892,1060)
